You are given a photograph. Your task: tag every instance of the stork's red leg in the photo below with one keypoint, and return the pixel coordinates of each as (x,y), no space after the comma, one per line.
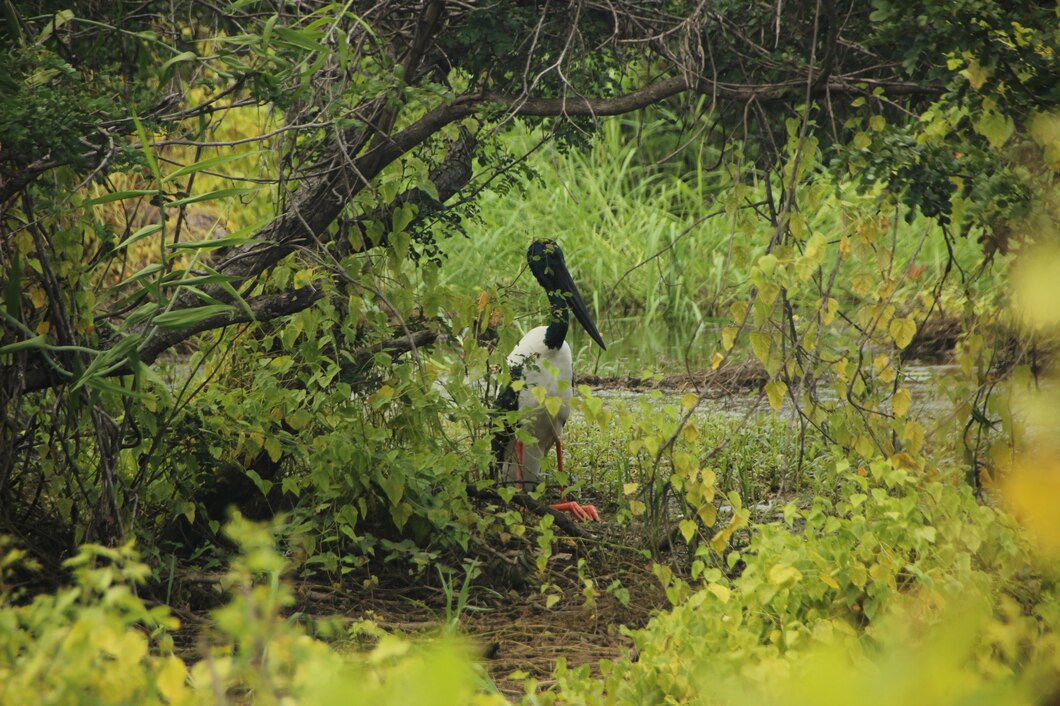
(580,512)
(518,464)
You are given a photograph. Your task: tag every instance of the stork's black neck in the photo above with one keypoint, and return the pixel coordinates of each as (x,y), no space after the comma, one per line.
(556,332)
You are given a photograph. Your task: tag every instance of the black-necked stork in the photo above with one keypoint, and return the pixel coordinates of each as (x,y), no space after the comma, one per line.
(542,359)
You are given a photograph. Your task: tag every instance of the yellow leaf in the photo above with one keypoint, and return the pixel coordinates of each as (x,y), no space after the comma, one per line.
(37,296)
(299,419)
(862,283)
(902,331)
(637,508)
(688,401)
(381,396)
(133,647)
(551,600)
(760,343)
(728,337)
(664,573)
(779,574)
(768,292)
(553,404)
(722,592)
(389,647)
(24,242)
(44,327)
(483,300)
(1036,288)
(691,433)
(864,446)
(831,307)
(828,580)
(767,263)
(815,248)
(171,679)
(1032,490)
(688,529)
(629,488)
(716,361)
(775,390)
(900,402)
(539,394)
(272,447)
(708,514)
(913,436)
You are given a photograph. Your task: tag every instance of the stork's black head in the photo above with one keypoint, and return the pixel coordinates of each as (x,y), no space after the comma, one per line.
(547,263)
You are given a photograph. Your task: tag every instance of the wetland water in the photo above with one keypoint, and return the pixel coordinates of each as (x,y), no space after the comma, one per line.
(921,379)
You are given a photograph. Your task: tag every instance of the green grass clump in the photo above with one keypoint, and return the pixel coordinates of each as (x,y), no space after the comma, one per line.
(661,252)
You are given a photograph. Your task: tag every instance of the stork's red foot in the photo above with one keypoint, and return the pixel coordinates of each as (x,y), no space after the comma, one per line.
(585,513)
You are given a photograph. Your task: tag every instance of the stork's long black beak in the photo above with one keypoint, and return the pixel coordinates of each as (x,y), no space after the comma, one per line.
(577,305)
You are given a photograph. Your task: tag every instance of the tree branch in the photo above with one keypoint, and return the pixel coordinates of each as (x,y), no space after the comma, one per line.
(320,202)
(264,308)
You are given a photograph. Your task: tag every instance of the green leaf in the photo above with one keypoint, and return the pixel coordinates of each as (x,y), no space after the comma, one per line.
(144,232)
(145,145)
(403,215)
(214,195)
(145,272)
(995,127)
(209,163)
(120,196)
(186,318)
(226,242)
(183,56)
(394,489)
(300,38)
(54,22)
(102,384)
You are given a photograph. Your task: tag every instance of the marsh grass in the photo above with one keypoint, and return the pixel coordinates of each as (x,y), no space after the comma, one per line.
(757,454)
(661,251)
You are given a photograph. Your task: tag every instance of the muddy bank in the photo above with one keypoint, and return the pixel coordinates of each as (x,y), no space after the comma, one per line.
(728,380)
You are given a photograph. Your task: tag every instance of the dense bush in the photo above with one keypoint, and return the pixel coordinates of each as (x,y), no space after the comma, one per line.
(905,583)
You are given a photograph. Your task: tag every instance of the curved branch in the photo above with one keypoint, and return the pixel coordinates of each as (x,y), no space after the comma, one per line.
(321,201)
(263,308)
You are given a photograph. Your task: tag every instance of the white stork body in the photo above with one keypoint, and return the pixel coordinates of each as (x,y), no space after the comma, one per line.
(551,369)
